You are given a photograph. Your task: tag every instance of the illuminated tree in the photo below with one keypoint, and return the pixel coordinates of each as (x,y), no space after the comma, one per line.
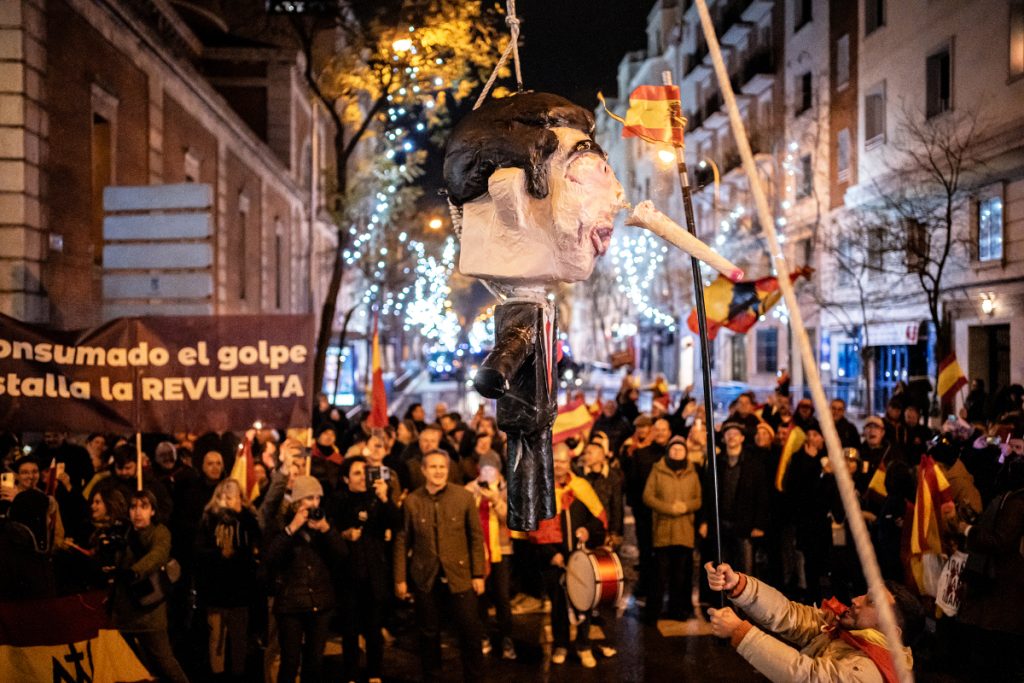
(394,80)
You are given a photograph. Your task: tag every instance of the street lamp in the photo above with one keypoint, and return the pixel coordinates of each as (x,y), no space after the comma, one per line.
(435,223)
(402,45)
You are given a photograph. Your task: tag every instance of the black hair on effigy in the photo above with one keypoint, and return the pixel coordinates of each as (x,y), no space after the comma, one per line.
(510,132)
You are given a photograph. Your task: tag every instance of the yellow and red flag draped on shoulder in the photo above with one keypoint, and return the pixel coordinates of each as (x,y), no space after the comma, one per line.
(378,394)
(650,115)
(738,305)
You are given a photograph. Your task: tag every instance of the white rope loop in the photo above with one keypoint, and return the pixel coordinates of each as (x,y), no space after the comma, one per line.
(512,49)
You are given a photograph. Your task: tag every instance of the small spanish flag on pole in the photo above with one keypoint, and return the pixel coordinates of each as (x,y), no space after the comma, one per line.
(739,305)
(951,378)
(649,115)
(378,396)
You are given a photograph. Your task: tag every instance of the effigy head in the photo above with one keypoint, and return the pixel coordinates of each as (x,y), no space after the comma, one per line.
(538,198)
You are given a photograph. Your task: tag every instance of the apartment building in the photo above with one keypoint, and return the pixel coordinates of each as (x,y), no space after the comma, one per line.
(831,93)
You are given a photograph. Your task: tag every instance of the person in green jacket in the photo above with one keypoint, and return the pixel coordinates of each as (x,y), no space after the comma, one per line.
(673,494)
(147,550)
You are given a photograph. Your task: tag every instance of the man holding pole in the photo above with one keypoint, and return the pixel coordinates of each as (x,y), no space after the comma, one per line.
(837,643)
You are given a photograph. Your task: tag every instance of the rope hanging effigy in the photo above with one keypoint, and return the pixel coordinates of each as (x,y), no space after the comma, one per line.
(512,49)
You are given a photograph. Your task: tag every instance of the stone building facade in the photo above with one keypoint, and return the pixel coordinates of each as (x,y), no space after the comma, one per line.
(144,93)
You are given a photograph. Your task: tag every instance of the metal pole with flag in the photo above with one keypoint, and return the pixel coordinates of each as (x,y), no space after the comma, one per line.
(655,116)
(378,394)
(676,125)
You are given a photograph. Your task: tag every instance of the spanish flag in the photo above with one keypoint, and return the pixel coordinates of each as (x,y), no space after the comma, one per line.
(378,395)
(244,472)
(934,500)
(738,305)
(951,377)
(794,442)
(573,419)
(652,115)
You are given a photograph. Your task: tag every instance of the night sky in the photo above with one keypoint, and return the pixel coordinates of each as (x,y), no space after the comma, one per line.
(573,47)
(567,47)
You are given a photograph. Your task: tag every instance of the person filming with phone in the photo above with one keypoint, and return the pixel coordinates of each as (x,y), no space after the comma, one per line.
(367,516)
(301,557)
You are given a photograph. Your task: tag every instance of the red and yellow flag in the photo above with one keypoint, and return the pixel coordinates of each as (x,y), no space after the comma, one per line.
(244,472)
(738,305)
(652,115)
(573,419)
(378,395)
(934,500)
(951,377)
(794,442)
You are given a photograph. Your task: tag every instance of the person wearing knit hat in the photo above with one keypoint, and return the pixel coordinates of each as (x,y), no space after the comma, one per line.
(491,498)
(305,486)
(673,492)
(302,558)
(743,494)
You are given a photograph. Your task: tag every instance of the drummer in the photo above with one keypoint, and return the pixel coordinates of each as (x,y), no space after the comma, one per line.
(554,542)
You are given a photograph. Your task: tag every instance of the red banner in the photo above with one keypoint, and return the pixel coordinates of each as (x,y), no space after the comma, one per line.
(157,374)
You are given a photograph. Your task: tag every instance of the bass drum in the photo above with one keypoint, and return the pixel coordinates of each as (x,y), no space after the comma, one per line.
(593,578)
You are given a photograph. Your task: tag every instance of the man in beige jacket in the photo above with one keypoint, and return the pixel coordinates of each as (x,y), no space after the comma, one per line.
(836,643)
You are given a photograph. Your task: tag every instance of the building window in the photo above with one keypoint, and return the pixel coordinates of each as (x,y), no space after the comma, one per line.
(939,84)
(738,345)
(280,258)
(917,245)
(192,167)
(845,254)
(806,185)
(842,61)
(876,251)
(843,155)
(243,246)
(874,115)
(803,14)
(1016,38)
(767,350)
(805,94)
(990,229)
(874,15)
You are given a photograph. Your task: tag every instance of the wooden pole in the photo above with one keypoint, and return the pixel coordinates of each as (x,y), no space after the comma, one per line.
(812,379)
(138,460)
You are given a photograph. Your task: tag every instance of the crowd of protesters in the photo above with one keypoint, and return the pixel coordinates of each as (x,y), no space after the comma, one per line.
(210,581)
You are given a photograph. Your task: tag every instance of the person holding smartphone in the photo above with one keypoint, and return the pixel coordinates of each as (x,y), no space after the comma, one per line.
(301,557)
(491,498)
(367,515)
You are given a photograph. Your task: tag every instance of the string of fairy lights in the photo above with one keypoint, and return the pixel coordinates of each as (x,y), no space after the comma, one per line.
(638,258)
(405,281)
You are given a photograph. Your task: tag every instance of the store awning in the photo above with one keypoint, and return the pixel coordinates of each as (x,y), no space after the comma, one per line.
(893,333)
